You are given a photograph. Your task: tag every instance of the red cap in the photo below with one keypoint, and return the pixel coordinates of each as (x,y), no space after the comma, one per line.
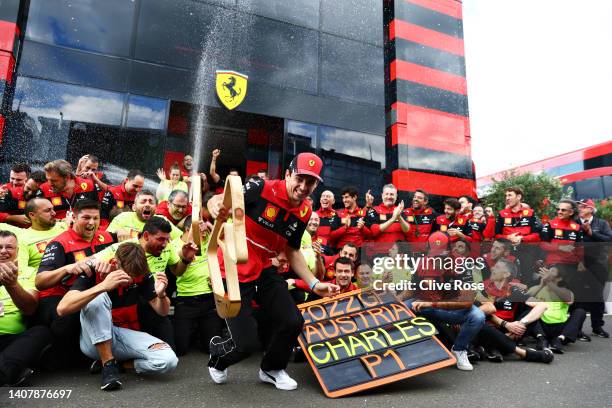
(587,203)
(308,164)
(438,243)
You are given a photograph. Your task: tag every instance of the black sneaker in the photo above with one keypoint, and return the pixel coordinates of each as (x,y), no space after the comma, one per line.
(583,337)
(539,356)
(556,346)
(542,343)
(600,332)
(495,356)
(110,376)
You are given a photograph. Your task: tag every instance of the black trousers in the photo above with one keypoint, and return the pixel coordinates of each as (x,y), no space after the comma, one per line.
(65,333)
(21,351)
(195,314)
(569,329)
(271,293)
(492,338)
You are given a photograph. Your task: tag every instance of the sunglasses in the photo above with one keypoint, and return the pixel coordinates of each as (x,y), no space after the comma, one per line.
(563,209)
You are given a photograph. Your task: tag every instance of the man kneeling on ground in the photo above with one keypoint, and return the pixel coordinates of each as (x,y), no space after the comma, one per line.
(109,320)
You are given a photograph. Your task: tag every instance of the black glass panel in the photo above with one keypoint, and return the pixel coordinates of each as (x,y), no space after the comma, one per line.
(358,19)
(175,32)
(102,26)
(276,53)
(352,70)
(429,19)
(351,159)
(301,12)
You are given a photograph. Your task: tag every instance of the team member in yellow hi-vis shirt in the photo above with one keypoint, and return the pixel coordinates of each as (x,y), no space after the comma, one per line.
(155,240)
(128,224)
(195,304)
(44,228)
(20,348)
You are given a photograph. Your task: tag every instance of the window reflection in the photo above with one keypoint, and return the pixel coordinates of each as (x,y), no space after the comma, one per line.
(358,19)
(301,137)
(102,26)
(146,113)
(301,12)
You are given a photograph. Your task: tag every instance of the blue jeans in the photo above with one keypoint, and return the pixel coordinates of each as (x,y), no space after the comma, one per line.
(471,321)
(97,327)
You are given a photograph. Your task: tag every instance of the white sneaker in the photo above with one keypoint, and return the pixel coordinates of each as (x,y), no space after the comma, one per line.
(279,378)
(462,360)
(218,376)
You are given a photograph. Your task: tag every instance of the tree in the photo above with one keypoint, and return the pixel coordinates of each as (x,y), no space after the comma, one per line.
(604,209)
(541,191)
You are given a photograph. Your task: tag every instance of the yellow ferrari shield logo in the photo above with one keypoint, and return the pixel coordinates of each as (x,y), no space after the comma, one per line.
(231,88)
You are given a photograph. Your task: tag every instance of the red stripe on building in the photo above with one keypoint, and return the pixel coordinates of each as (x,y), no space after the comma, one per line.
(430,38)
(583,175)
(409,180)
(449,7)
(428,76)
(7,63)
(8,32)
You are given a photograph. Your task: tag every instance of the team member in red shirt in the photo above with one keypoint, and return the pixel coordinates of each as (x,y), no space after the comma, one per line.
(12,200)
(421,217)
(467,205)
(87,168)
(319,243)
(386,222)
(344,270)
(276,216)
(329,220)
(352,227)
(65,257)
(176,209)
(64,189)
(561,239)
(453,223)
(518,224)
(121,196)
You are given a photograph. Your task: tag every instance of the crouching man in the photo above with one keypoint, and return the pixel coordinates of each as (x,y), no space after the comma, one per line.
(108,303)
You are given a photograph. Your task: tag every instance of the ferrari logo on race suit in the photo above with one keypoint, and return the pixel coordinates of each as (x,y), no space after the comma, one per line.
(231,88)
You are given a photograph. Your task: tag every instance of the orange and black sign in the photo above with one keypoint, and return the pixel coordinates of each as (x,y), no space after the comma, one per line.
(362,340)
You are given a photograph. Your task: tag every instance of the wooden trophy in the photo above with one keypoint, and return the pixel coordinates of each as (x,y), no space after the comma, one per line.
(196,210)
(231,238)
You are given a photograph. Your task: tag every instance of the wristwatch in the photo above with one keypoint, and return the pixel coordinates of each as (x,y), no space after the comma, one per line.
(91,264)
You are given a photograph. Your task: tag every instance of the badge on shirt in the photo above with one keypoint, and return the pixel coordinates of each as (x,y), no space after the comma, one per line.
(460,221)
(120,204)
(443,228)
(558,233)
(507,220)
(41,246)
(303,211)
(574,226)
(525,212)
(383,217)
(270,212)
(79,256)
(21,204)
(83,186)
(56,201)
(410,218)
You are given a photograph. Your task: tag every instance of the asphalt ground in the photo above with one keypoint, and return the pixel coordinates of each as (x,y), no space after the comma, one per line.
(582,377)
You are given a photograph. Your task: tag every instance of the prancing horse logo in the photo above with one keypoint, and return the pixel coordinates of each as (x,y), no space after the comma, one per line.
(231,88)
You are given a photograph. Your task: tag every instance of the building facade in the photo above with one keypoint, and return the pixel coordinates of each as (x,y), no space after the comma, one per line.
(118,78)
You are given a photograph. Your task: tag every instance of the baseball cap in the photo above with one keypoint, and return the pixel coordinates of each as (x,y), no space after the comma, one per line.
(438,243)
(308,164)
(587,203)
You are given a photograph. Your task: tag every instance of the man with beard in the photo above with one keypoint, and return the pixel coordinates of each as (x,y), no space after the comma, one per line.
(123,195)
(64,189)
(129,224)
(65,258)
(421,217)
(12,201)
(176,208)
(453,223)
(33,241)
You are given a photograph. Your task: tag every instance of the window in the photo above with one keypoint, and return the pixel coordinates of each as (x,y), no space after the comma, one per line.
(589,188)
(352,70)
(101,26)
(146,113)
